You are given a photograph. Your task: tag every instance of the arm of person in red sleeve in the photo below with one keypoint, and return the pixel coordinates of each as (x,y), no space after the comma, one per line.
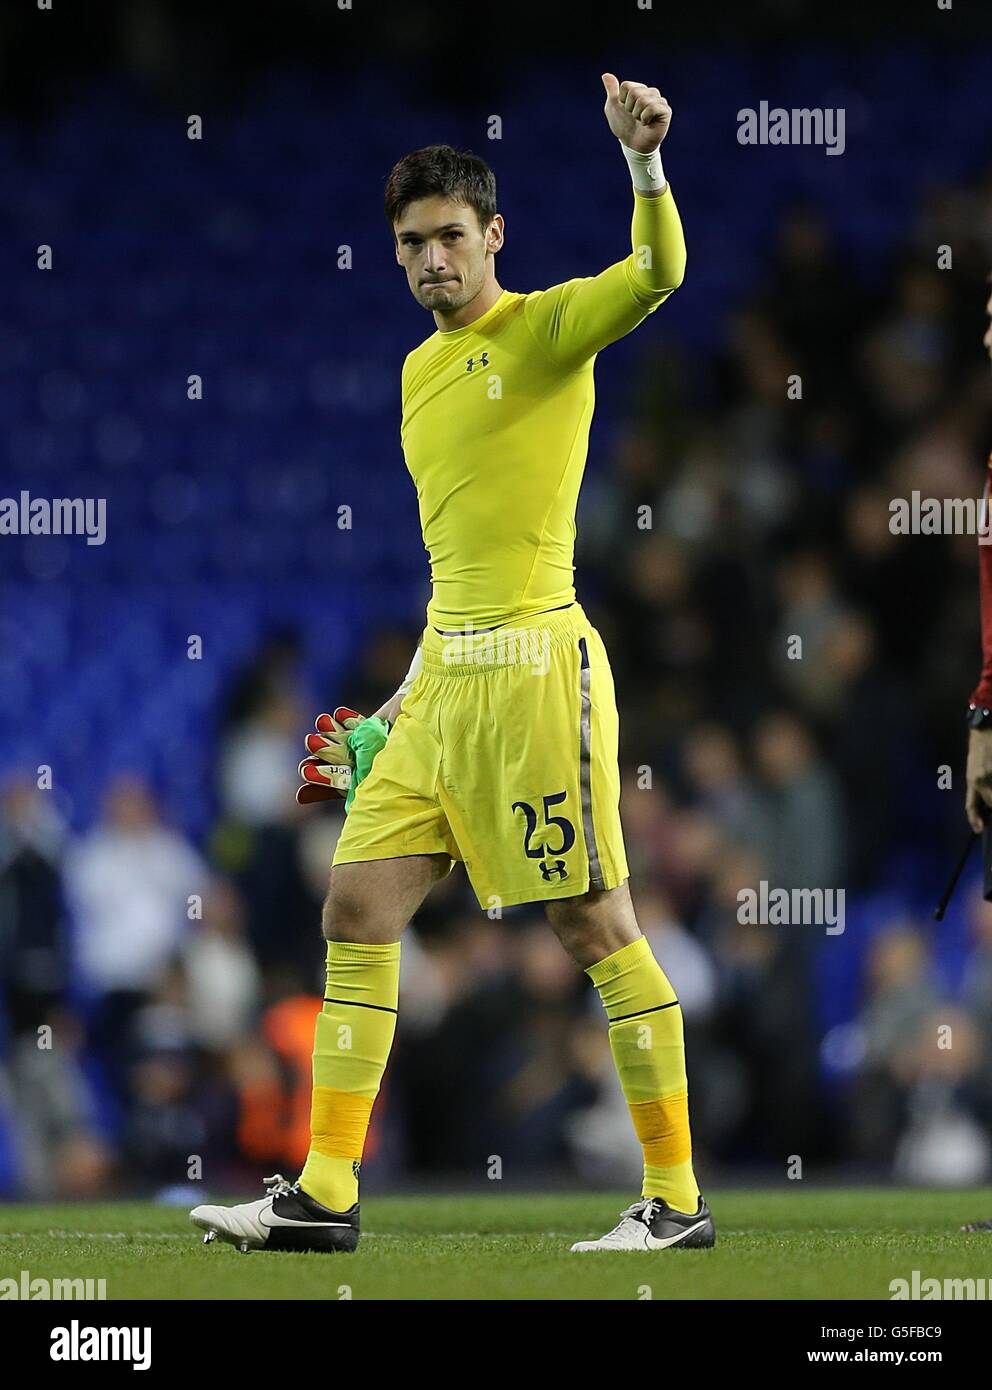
(978,775)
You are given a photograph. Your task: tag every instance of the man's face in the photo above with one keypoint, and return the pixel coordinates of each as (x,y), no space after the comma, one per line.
(443,250)
(987,340)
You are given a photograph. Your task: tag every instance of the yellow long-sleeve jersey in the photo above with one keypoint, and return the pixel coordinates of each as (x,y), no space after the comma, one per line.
(495,428)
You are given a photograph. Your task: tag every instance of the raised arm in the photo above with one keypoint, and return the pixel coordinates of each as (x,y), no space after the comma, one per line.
(574,320)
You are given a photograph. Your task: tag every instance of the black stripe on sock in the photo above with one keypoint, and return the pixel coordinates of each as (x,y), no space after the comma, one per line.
(657,1008)
(353,1003)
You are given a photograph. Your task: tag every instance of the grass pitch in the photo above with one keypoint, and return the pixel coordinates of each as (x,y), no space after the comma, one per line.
(790,1244)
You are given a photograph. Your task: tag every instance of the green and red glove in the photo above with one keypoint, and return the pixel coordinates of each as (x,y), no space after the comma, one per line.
(341,754)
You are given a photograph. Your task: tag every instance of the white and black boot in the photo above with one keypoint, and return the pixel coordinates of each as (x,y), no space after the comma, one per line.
(652,1224)
(286,1219)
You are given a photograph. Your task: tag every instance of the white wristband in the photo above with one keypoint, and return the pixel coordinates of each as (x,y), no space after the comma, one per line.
(416,665)
(645,169)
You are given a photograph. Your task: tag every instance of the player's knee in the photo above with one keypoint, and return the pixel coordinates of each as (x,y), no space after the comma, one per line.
(593,925)
(343,915)
(355,912)
(580,937)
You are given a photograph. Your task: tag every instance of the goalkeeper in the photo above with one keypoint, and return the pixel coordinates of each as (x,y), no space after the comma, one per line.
(504,755)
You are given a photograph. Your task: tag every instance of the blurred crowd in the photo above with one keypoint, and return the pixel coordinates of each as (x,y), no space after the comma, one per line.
(157,996)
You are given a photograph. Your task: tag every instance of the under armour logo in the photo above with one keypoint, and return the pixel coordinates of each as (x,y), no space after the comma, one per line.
(474,362)
(558,867)
(356,1167)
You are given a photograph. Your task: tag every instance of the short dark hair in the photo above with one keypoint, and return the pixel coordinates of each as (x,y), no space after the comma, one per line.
(439,170)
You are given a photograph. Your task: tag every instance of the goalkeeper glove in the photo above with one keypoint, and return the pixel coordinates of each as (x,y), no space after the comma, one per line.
(341,755)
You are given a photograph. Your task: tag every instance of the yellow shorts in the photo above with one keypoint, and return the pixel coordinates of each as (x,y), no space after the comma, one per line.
(504,756)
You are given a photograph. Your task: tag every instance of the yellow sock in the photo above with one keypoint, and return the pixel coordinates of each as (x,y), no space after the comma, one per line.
(352,1038)
(649,1054)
